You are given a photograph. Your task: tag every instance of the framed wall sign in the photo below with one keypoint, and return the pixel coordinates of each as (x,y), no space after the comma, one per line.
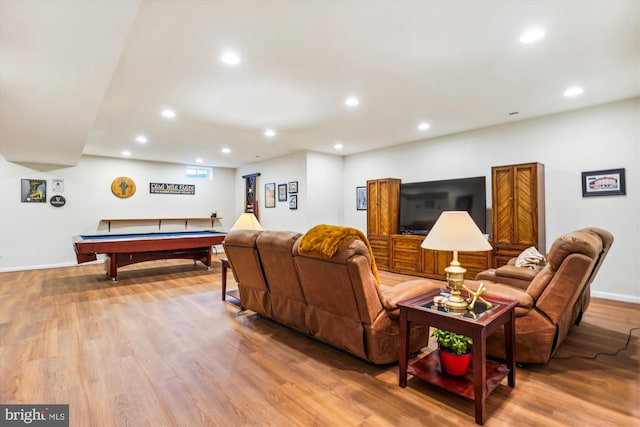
(123,187)
(167,188)
(610,182)
(58,201)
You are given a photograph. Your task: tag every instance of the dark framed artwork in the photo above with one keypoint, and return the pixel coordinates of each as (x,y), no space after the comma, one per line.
(33,191)
(292,187)
(361,198)
(293,201)
(609,182)
(270,195)
(282,192)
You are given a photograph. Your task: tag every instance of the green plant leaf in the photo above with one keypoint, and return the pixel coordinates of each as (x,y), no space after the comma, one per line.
(452,342)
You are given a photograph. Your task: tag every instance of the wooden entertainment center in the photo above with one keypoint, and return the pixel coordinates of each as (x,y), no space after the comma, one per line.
(518,223)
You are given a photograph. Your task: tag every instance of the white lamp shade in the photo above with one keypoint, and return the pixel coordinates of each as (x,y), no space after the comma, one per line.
(247,221)
(456,231)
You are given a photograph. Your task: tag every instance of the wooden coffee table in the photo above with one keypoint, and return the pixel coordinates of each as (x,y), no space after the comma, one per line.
(483,376)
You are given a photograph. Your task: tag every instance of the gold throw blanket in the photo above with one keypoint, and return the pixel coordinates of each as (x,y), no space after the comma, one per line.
(323,241)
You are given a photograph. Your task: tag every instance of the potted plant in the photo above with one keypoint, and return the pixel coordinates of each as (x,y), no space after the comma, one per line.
(455,351)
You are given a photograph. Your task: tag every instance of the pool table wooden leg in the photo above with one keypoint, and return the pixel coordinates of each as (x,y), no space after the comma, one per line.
(111,266)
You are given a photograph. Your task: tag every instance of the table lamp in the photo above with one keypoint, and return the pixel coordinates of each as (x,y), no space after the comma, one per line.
(246,221)
(455,231)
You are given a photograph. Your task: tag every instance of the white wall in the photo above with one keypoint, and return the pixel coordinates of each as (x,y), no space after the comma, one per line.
(320,190)
(603,137)
(36,235)
(281,171)
(324,189)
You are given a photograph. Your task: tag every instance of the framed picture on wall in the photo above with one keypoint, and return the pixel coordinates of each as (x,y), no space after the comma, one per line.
(293,201)
(57,185)
(33,191)
(270,195)
(361,198)
(610,182)
(282,192)
(292,187)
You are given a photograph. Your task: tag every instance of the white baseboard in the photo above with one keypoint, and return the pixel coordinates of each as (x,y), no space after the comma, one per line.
(37,267)
(615,297)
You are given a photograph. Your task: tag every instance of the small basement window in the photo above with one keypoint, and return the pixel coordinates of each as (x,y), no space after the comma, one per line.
(201,172)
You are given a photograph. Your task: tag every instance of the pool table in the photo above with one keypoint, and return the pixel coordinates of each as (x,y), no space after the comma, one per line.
(126,249)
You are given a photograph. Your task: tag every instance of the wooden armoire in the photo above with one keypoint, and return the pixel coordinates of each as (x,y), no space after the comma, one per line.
(518,210)
(383,220)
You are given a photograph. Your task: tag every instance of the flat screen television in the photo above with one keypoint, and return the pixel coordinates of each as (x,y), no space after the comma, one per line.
(421,203)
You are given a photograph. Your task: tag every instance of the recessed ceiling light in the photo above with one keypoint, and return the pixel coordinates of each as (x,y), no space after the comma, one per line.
(532,35)
(169,114)
(270,133)
(230,57)
(142,139)
(338,146)
(573,91)
(424,126)
(352,101)
(226,150)
(198,160)
(126,153)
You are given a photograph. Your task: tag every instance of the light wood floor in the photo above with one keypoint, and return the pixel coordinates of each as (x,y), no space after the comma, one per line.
(159,348)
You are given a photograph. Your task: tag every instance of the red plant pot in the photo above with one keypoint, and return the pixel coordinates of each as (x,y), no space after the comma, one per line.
(454,364)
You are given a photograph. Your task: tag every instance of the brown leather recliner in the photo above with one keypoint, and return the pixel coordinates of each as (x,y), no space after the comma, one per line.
(242,252)
(342,303)
(552,299)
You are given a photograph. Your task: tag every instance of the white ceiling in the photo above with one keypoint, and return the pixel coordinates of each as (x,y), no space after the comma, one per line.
(86,77)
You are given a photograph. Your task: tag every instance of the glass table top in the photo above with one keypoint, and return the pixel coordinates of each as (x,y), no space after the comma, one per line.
(479,309)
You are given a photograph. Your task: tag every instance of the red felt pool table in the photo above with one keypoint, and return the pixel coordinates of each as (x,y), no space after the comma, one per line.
(126,249)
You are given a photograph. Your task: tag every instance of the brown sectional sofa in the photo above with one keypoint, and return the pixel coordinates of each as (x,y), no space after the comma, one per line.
(336,300)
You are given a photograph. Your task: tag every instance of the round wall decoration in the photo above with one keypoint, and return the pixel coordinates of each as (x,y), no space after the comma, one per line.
(58,201)
(123,187)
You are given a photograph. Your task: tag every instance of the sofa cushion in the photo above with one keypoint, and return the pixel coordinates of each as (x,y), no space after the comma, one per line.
(287,299)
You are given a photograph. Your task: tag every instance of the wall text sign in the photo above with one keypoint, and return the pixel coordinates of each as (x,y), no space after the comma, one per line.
(163,188)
